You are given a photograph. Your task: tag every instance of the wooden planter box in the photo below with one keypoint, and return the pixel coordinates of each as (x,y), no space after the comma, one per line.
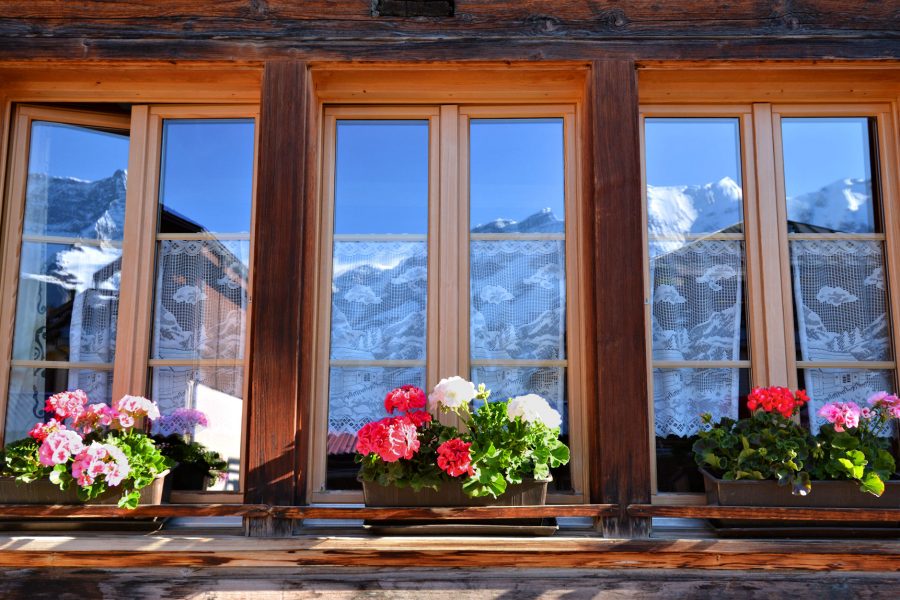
(451,494)
(824,494)
(44,492)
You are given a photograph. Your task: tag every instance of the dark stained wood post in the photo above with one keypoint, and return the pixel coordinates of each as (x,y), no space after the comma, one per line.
(620,450)
(276,330)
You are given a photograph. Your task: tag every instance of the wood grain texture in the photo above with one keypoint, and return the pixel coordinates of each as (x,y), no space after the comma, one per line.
(343,583)
(532,29)
(622,468)
(769,513)
(65,511)
(196,551)
(277,324)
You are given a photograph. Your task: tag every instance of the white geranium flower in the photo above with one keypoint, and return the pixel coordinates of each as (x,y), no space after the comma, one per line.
(451,392)
(531,408)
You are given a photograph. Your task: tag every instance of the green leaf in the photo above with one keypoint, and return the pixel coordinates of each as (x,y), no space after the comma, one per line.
(872,484)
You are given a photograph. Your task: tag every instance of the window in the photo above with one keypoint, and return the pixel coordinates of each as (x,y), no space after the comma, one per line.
(135,237)
(768,263)
(449,244)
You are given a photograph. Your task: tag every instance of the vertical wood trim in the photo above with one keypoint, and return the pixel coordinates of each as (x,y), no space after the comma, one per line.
(890,195)
(137,261)
(280,297)
(622,451)
(772,243)
(13,213)
(455,250)
(436,199)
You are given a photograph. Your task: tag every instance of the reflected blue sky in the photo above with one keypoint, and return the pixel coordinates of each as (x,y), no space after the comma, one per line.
(516,168)
(207,172)
(381,177)
(72,151)
(820,151)
(691,151)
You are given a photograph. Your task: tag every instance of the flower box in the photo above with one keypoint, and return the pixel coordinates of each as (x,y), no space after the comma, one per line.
(43,491)
(528,493)
(824,494)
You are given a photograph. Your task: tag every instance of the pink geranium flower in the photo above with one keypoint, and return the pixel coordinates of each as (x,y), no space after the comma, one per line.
(58,446)
(40,431)
(66,404)
(841,414)
(95,416)
(98,460)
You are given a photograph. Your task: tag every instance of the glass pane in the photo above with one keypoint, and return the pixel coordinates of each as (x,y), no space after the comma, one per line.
(697,295)
(379,298)
(679,397)
(218,392)
(76,182)
(516,175)
(67,303)
(518,299)
(201,299)
(381,177)
(841,385)
(828,175)
(840,300)
(29,388)
(206,175)
(693,170)
(356,397)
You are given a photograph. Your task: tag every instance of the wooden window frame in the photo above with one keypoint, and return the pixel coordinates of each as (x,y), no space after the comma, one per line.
(448,252)
(769,311)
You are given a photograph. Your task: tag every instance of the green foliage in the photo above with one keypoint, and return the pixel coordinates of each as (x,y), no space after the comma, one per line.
(191,454)
(20,460)
(764,446)
(856,454)
(146,462)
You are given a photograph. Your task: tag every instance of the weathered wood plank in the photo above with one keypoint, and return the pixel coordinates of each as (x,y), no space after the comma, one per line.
(276,317)
(341,583)
(442,513)
(97,511)
(769,513)
(555,552)
(621,445)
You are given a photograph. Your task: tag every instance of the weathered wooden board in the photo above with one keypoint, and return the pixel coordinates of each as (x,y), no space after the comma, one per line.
(107,552)
(768,513)
(436,584)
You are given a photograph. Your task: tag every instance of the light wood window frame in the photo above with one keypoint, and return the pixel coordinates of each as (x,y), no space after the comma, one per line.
(13,236)
(448,264)
(768,284)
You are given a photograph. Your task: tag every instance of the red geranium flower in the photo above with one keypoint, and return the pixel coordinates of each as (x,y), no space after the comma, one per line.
(454,458)
(391,438)
(404,399)
(777,399)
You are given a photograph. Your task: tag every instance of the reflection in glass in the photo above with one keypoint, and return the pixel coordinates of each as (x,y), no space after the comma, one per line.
(67,296)
(516,175)
(218,392)
(381,177)
(828,175)
(201,299)
(841,385)
(29,388)
(693,171)
(206,175)
(379,286)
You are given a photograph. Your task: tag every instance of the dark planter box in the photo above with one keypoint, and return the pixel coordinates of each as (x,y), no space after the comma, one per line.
(44,492)
(527,493)
(824,494)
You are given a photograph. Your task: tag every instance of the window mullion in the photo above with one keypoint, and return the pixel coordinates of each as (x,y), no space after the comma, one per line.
(133,335)
(890,192)
(770,239)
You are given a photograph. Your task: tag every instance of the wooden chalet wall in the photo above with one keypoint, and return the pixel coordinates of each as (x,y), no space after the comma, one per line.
(283,39)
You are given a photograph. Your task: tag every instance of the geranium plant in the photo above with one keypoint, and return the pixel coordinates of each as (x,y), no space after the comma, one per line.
(194,462)
(94,447)
(771,444)
(503,442)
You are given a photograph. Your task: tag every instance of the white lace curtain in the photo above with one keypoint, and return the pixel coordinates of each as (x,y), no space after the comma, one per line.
(839,292)
(696,300)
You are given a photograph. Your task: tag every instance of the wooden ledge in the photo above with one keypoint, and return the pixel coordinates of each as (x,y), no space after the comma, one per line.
(96,511)
(759,513)
(148,551)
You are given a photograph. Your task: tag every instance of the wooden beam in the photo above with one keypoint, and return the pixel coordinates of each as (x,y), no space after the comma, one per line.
(620,468)
(768,513)
(445,513)
(275,378)
(102,511)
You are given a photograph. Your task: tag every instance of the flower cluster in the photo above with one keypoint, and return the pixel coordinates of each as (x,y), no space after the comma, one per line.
(888,402)
(130,408)
(66,404)
(843,414)
(59,446)
(776,399)
(503,442)
(98,460)
(454,458)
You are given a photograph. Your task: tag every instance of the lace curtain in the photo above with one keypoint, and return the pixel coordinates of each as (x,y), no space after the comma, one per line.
(199,313)
(696,315)
(839,291)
